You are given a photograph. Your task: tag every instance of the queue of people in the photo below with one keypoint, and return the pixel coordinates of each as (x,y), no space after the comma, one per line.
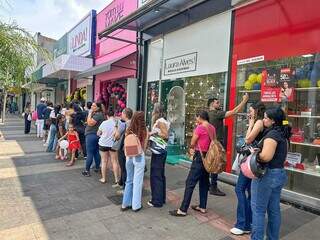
(122,142)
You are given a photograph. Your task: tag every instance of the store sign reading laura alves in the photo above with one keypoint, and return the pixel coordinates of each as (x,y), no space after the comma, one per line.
(181,64)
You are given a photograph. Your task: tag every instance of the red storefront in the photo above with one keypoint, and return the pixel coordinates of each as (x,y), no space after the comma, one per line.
(283,38)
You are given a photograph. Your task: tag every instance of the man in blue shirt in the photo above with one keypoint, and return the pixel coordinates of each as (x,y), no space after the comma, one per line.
(40,121)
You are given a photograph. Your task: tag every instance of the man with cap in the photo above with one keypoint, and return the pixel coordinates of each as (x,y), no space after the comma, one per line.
(40,121)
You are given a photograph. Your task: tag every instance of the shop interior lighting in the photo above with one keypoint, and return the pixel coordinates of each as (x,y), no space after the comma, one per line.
(307,55)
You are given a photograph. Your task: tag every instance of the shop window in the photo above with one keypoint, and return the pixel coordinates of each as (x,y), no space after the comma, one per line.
(182,98)
(294,84)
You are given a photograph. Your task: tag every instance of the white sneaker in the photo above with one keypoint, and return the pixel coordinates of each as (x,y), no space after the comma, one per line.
(45,145)
(237,231)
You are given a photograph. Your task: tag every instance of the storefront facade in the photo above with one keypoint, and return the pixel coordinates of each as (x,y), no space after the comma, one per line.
(115,70)
(73,53)
(183,73)
(278,62)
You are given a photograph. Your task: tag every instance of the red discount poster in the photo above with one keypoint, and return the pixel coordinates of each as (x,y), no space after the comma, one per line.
(276,85)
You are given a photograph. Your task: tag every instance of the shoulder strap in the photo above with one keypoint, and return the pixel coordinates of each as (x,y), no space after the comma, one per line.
(210,135)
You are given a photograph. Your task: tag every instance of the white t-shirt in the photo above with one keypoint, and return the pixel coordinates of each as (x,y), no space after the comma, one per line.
(107,128)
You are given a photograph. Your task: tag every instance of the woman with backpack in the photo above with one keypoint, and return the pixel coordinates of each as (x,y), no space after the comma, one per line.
(254,134)
(134,147)
(200,143)
(158,144)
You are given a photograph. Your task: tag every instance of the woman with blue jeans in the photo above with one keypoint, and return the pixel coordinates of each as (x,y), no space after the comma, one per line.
(52,137)
(94,119)
(243,187)
(266,191)
(135,166)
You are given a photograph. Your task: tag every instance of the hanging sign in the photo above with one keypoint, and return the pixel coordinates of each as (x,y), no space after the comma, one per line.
(180,64)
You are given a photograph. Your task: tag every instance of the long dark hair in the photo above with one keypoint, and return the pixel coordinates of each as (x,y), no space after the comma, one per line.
(259,108)
(280,124)
(138,126)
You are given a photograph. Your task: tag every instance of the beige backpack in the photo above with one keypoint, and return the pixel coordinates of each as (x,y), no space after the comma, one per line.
(215,159)
(132,145)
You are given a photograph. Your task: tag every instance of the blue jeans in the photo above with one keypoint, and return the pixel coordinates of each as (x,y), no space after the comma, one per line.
(158,179)
(92,151)
(196,174)
(133,191)
(52,143)
(244,214)
(265,197)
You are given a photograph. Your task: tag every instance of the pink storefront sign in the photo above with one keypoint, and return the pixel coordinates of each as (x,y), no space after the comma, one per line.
(108,49)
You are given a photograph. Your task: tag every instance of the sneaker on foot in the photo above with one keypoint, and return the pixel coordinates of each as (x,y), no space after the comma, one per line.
(86,173)
(237,231)
(150,203)
(116,185)
(216,191)
(120,192)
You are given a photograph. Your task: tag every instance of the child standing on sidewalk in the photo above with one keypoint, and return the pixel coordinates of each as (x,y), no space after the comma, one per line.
(74,143)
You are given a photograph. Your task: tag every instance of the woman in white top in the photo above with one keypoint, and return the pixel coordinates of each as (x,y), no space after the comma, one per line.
(108,131)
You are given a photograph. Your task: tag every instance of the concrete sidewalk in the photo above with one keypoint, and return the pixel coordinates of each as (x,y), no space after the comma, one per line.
(42,199)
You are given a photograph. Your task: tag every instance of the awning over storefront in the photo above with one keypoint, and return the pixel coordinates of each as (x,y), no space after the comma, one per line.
(104,67)
(176,13)
(66,66)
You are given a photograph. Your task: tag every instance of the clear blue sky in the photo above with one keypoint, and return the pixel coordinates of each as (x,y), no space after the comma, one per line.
(50,17)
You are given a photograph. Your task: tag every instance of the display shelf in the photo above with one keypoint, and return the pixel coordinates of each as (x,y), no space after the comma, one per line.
(306,171)
(250,91)
(306,144)
(296,89)
(301,116)
(308,89)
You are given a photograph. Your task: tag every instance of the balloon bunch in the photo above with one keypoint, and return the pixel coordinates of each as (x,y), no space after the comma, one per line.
(80,94)
(118,93)
(253,82)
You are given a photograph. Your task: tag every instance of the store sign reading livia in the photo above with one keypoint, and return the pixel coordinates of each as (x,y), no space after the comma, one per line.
(79,38)
(181,64)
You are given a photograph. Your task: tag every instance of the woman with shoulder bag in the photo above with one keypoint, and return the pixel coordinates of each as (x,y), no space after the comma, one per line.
(134,147)
(158,143)
(106,132)
(254,134)
(199,145)
(266,191)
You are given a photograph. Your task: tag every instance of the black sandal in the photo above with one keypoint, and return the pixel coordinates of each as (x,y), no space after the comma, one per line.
(175,213)
(197,208)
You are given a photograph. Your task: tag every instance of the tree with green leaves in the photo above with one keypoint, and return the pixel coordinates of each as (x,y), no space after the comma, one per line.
(17,59)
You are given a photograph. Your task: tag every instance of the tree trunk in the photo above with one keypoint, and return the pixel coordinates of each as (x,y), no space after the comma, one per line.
(4,105)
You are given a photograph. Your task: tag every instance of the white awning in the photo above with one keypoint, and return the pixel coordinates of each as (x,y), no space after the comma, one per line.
(66,64)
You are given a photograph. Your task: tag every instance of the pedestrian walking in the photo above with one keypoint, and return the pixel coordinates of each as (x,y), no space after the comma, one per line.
(137,136)
(243,187)
(94,119)
(199,146)
(266,191)
(159,137)
(216,117)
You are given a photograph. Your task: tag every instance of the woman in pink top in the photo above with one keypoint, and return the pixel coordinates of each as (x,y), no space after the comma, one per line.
(200,142)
